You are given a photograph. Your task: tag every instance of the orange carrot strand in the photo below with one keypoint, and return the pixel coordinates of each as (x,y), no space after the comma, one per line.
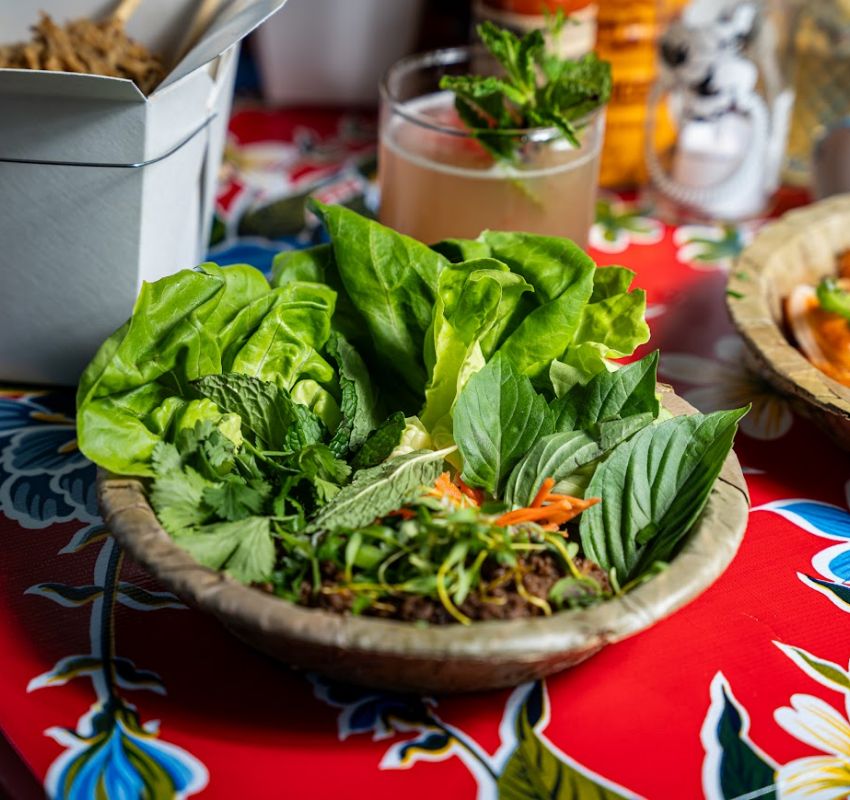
(543,492)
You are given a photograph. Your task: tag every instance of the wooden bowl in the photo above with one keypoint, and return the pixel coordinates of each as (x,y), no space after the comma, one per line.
(801,247)
(450,658)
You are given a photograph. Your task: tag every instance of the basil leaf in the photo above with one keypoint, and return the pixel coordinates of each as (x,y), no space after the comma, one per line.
(381,442)
(556,456)
(609,395)
(653,487)
(376,491)
(358,398)
(497,418)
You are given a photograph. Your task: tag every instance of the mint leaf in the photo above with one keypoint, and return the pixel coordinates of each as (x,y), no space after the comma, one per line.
(381,442)
(376,491)
(497,418)
(538,89)
(270,418)
(322,469)
(358,399)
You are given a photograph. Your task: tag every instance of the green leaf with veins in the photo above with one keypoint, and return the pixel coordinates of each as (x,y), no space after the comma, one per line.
(358,398)
(378,490)
(177,498)
(235,499)
(497,418)
(381,442)
(245,548)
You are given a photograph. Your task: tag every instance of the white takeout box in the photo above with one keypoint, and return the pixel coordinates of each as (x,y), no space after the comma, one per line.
(102,188)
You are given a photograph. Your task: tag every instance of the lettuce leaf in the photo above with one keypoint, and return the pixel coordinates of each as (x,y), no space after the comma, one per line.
(391,280)
(184,327)
(474,298)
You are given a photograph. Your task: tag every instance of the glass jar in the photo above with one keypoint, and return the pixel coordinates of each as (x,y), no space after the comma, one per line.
(437,181)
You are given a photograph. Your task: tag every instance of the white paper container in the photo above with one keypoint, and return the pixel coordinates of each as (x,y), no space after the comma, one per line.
(334,51)
(77,241)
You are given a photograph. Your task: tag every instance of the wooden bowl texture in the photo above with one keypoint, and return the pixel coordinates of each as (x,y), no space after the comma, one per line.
(801,247)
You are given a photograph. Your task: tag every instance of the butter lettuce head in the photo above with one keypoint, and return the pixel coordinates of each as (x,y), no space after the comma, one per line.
(183,327)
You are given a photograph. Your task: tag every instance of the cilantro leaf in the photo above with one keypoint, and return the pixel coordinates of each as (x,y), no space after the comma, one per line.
(244,548)
(234,499)
(166,458)
(178,499)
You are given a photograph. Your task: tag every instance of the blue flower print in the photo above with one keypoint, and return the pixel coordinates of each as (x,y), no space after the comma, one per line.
(44,478)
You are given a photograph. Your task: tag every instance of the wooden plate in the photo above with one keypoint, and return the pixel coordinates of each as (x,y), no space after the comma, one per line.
(450,658)
(802,247)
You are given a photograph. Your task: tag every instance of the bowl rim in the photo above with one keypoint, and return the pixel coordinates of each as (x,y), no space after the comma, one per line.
(711,546)
(789,370)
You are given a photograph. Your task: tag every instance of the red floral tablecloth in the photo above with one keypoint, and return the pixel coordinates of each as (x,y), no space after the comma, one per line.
(108,681)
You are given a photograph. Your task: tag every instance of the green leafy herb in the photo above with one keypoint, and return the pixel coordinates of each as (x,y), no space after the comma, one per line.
(494,108)
(556,456)
(235,498)
(358,398)
(497,419)
(244,548)
(178,499)
(376,491)
(381,442)
(609,396)
(653,487)
(269,417)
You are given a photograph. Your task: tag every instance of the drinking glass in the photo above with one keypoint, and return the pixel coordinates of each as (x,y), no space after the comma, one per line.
(437,180)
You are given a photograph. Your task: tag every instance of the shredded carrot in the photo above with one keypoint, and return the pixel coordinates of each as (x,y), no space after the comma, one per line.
(548,509)
(404,513)
(543,492)
(445,488)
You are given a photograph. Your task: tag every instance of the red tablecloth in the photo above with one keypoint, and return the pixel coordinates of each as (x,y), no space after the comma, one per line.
(745,688)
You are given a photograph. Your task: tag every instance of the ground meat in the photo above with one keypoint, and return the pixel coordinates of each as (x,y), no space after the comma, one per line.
(541,572)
